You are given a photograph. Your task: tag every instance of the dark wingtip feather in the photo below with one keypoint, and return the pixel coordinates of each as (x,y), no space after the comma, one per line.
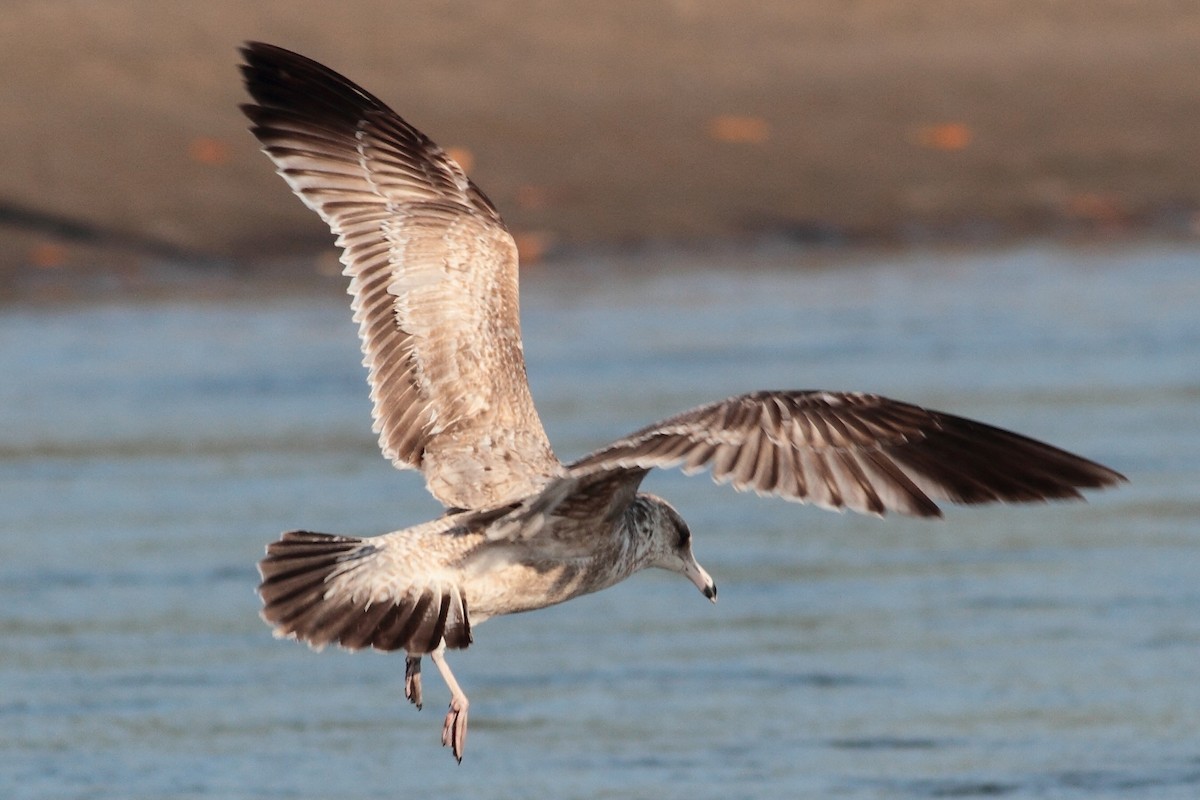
(278,78)
(977,463)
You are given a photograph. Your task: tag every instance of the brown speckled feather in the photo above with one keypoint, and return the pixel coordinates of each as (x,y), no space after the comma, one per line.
(433,274)
(842,450)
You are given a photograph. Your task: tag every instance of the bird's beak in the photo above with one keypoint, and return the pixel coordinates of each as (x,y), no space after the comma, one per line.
(704,582)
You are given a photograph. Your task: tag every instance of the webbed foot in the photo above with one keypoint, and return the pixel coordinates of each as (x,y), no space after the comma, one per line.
(454,731)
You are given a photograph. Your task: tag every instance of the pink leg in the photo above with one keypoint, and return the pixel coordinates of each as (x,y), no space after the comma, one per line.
(454,731)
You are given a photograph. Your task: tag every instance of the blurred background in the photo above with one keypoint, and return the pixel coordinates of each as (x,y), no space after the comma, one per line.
(612,124)
(988,208)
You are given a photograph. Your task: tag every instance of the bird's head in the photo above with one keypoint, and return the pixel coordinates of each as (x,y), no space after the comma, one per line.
(671,546)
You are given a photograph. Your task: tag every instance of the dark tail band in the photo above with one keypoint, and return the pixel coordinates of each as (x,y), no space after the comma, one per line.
(303,598)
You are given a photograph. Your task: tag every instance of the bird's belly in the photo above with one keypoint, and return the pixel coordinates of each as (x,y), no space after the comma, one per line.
(524,587)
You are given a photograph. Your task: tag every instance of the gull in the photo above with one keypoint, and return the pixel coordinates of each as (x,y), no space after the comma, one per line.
(433,277)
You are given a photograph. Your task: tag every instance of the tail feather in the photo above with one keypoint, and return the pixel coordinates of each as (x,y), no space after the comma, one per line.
(401,626)
(324,589)
(360,632)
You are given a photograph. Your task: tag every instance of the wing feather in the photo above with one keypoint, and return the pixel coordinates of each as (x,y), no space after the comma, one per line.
(433,275)
(858,451)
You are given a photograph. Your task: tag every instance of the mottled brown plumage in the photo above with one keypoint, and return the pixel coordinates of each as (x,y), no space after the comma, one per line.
(433,274)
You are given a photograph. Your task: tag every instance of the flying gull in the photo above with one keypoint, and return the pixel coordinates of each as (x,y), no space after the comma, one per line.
(433,275)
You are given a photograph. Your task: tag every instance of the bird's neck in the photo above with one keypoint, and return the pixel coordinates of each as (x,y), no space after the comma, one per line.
(635,534)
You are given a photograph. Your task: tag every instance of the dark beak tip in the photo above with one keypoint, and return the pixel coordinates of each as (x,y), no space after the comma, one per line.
(710,592)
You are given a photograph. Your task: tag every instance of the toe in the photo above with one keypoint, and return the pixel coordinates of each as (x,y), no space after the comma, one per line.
(454,731)
(412,690)
(412,681)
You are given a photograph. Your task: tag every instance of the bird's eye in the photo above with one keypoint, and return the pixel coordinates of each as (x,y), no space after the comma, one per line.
(685,536)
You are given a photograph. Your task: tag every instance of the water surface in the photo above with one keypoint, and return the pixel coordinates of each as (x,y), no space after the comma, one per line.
(148,451)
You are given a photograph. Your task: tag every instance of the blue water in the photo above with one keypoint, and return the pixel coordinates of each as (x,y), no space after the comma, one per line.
(148,451)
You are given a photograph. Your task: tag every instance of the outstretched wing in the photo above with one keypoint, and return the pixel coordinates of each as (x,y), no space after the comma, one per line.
(433,274)
(858,451)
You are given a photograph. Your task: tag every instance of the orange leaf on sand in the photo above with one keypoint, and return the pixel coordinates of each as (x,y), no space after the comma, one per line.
(944,136)
(732,129)
(1100,208)
(47,255)
(463,157)
(532,246)
(208,150)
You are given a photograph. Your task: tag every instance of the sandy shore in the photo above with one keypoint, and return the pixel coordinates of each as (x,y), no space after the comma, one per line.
(621,122)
